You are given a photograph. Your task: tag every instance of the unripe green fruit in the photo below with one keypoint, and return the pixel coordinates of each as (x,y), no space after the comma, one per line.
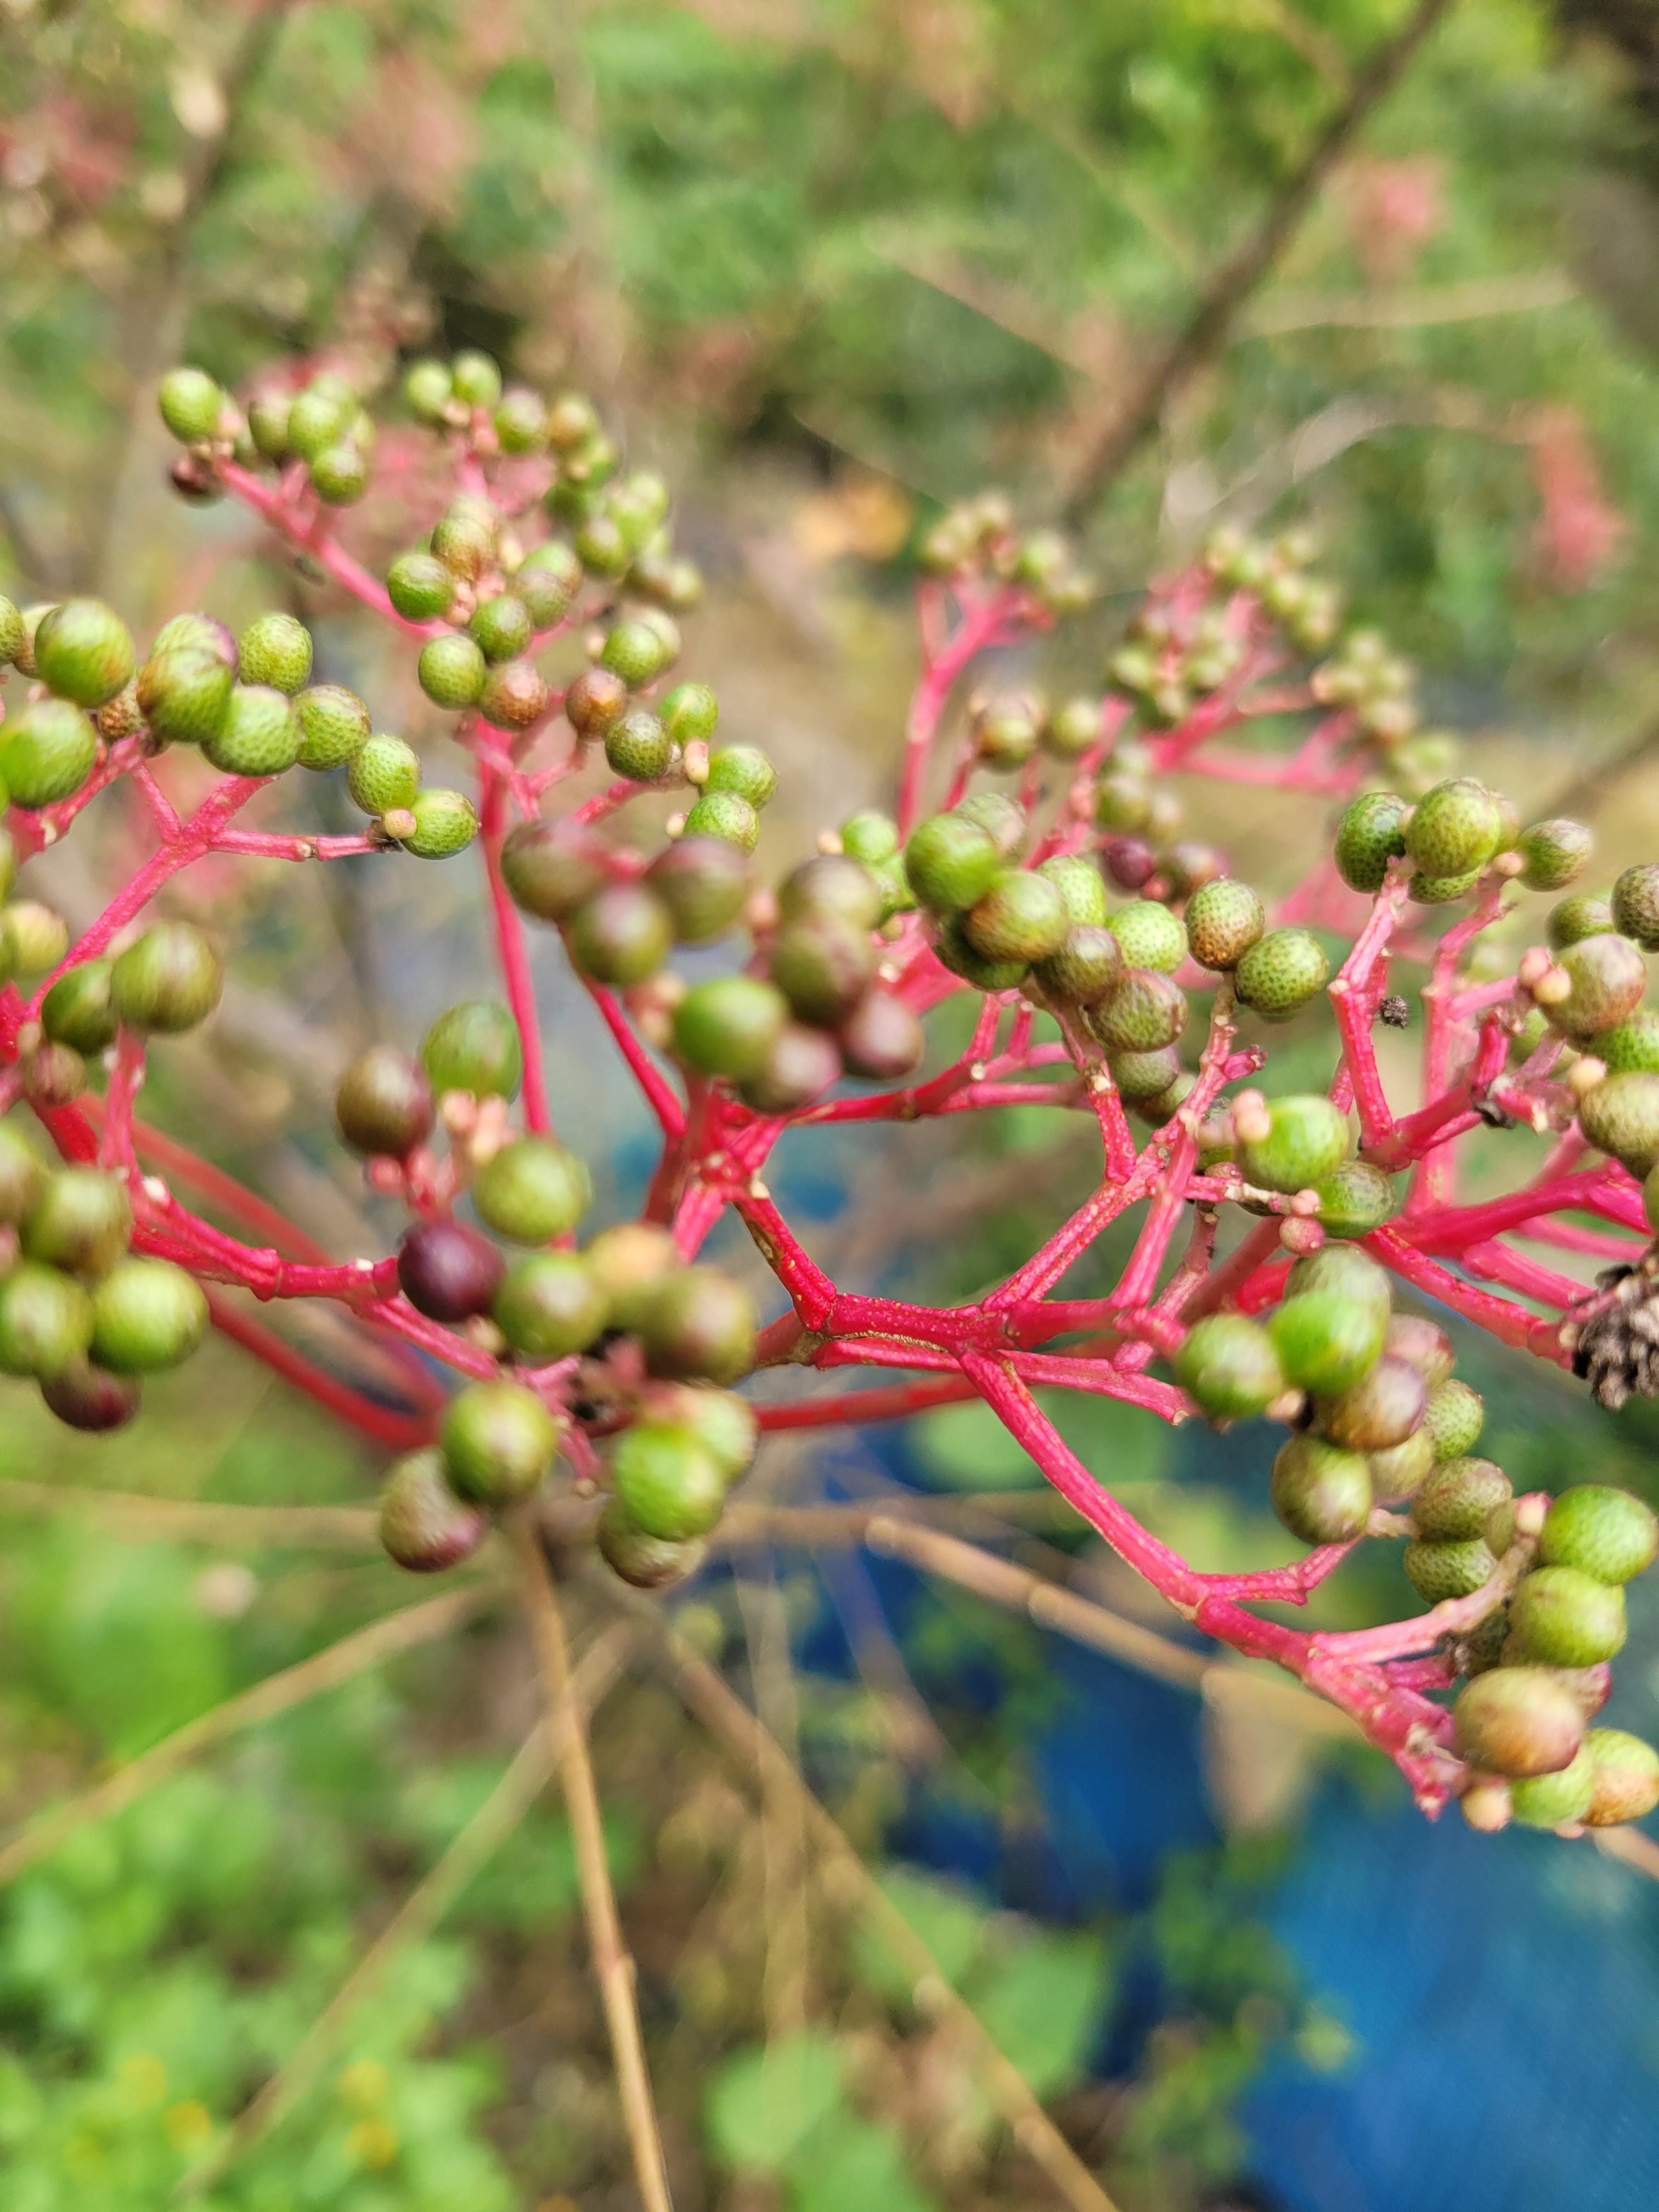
(53,1075)
(950,862)
(1632,1047)
(276,650)
(463,539)
(1517,1721)
(1165,1104)
(190,402)
(1608,977)
(521,421)
(1378,1412)
(646,1562)
(12,633)
(22,1174)
(1453,828)
(723,1423)
(634,651)
(572,420)
(81,1222)
(195,632)
(1368,838)
(698,1325)
(1621,1117)
(267,423)
(1086,967)
(83,652)
(475,379)
(882,1038)
(723,814)
(639,747)
(121,716)
(1554,853)
(320,417)
(1626,1777)
(727,1025)
(1022,917)
(1006,729)
(1351,1273)
(1557,1801)
(8,859)
(384,773)
(824,965)
(1560,1617)
(1454,1567)
(45,1320)
(1004,819)
(1326,1342)
(185,694)
(1400,1472)
(800,1066)
(1575,918)
(533,1190)
(1140,1075)
(166,980)
(547,582)
(1421,1342)
(548,1306)
(446,822)
(334,725)
(451,671)
(1635,896)
(1229,1368)
(90,1398)
(420,587)
(831,888)
(515,696)
(47,752)
(1458,1498)
(703,883)
(666,1482)
(689,711)
(621,935)
(1321,1493)
(1224,918)
(423,1526)
(1306,1140)
(744,770)
(596,699)
(1281,972)
(1150,936)
(603,546)
(498,1442)
(1455,1418)
(428,389)
(146,1315)
(1600,1531)
(629,1262)
(32,939)
(1122,802)
(501,627)
(1144,1012)
(551,867)
(1072,727)
(1355,1198)
(383,1104)
(260,736)
(1079,882)
(476,1047)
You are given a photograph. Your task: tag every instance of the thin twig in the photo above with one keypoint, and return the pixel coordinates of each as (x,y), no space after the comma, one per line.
(613,1967)
(189,1520)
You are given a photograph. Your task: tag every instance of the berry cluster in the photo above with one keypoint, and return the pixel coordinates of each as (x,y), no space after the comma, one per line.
(1033,859)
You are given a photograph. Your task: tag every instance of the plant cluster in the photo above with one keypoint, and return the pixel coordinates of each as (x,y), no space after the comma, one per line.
(993,876)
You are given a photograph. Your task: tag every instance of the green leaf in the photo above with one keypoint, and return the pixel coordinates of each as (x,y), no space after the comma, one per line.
(966,1448)
(948,1921)
(1041,2005)
(766,2101)
(853,2162)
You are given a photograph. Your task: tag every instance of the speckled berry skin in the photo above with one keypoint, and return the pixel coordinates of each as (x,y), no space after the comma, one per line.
(1144,1012)
(1440,1568)
(1229,1368)
(1223,919)
(1152,937)
(1517,1721)
(274,650)
(1608,977)
(334,725)
(1021,917)
(1368,838)
(1084,969)
(420,587)
(1585,914)
(723,814)
(1621,1117)
(951,863)
(1554,853)
(1281,972)
(1306,1141)
(1636,904)
(1560,1617)
(446,822)
(384,773)
(1354,1199)
(1626,1777)
(1457,1499)
(1455,1417)
(260,734)
(1326,1342)
(183,693)
(83,652)
(451,671)
(533,1190)
(1453,828)
(47,750)
(639,747)
(502,628)
(744,771)
(1321,1493)
(498,1442)
(1443,890)
(1400,1472)
(1602,1531)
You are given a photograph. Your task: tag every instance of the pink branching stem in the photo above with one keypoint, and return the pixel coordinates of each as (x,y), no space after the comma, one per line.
(1434,1182)
(893,1401)
(1499,1317)
(1462,1225)
(1453,1616)
(312,536)
(115,1147)
(510,948)
(979,620)
(260,845)
(1355,992)
(659,1092)
(1271,772)
(1496,1263)
(398,1431)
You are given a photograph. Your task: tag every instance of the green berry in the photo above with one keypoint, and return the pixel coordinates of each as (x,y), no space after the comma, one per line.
(1004,818)
(475,379)
(1006,731)
(1454,828)
(12,633)
(1144,1012)
(646,1562)
(1228,1366)
(629,1261)
(1142,1076)
(550,868)
(1307,1138)
(1355,1198)
(22,1174)
(1377,1413)
(1575,918)
(1150,936)
(267,423)
(1326,1342)
(831,888)
(1635,896)
(166,980)
(1455,1418)
(424,1526)
(1554,853)
(45,1320)
(339,475)
(384,773)
(260,735)
(83,652)
(1621,1117)
(1321,1493)
(183,693)
(276,650)
(476,1047)
(603,547)
(515,696)
(334,725)
(146,1315)
(1281,972)
(1123,803)
(428,388)
(451,671)
(620,935)
(1223,919)
(463,539)
(533,1190)
(383,1104)
(320,417)
(550,1305)
(1631,1047)
(1022,917)
(1082,891)
(47,752)
(1086,967)
(1600,1531)
(870,836)
(498,1442)
(635,652)
(521,421)
(1608,977)
(1626,1777)
(824,965)
(547,582)
(744,770)
(703,883)
(32,939)
(1400,1472)
(501,627)
(951,863)
(955,952)
(1072,727)
(1561,1617)
(639,747)
(81,1222)
(1557,1801)
(191,403)
(727,1025)
(722,1423)
(1451,1567)
(723,814)
(689,711)
(698,1325)
(1423,1344)
(1368,838)
(446,822)
(666,1481)
(1518,1721)
(1458,1498)
(596,699)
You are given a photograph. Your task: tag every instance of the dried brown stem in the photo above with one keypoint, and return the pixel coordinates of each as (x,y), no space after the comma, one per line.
(188,1520)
